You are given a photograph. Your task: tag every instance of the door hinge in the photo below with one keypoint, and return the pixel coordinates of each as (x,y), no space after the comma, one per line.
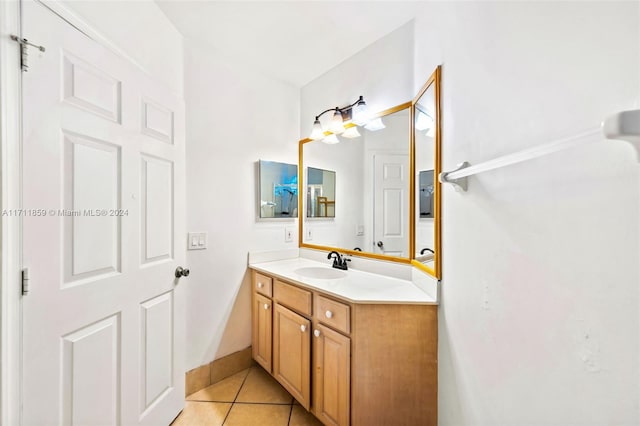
(25,281)
(24,44)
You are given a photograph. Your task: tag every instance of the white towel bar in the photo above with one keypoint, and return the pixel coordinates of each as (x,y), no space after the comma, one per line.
(623,126)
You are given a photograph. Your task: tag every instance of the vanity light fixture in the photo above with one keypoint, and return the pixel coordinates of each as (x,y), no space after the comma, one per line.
(343,119)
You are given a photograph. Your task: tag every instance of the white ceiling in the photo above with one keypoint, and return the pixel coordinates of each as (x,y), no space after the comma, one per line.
(295,41)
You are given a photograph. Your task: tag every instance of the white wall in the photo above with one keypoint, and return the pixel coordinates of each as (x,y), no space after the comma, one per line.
(539,316)
(382,73)
(235,116)
(343,159)
(142,31)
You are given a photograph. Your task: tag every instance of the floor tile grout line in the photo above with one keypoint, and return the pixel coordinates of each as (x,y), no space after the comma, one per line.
(290,413)
(237,393)
(239,402)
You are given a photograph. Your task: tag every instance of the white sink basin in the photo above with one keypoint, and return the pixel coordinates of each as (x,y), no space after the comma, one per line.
(320,273)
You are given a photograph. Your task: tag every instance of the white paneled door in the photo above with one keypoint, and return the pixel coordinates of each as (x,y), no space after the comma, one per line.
(391,205)
(103,185)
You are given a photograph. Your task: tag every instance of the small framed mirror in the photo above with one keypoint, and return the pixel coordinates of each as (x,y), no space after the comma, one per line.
(321,193)
(278,190)
(426,143)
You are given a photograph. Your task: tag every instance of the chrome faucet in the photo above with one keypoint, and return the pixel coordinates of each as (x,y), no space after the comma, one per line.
(339,262)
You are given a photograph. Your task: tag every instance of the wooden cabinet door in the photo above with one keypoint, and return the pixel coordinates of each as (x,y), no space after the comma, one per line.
(262,327)
(292,353)
(332,373)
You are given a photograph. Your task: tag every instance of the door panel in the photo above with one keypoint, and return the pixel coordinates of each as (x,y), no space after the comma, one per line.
(157,202)
(91,184)
(332,362)
(156,339)
(87,87)
(90,374)
(103,325)
(157,121)
(292,353)
(262,331)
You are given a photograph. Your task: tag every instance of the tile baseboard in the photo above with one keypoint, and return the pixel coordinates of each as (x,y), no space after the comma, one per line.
(219,369)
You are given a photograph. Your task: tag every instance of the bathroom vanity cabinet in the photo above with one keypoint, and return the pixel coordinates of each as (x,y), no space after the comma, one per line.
(347,362)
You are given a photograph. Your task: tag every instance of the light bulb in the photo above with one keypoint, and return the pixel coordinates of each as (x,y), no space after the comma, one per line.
(336,125)
(360,113)
(316,131)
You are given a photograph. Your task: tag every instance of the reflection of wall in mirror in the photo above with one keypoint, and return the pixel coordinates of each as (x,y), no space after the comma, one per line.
(426,194)
(339,231)
(425,161)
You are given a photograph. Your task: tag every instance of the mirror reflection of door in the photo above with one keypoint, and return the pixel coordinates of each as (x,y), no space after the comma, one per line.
(391,186)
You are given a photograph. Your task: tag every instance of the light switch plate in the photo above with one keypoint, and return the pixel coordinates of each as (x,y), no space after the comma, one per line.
(288,234)
(308,234)
(196,241)
(359,230)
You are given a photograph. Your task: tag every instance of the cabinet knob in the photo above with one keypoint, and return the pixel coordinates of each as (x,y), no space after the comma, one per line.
(266,306)
(316,333)
(328,314)
(303,328)
(260,285)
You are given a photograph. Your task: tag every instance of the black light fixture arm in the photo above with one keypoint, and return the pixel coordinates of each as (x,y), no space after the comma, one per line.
(338,109)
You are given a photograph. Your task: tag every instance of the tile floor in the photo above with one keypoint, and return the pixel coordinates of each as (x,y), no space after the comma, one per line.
(249,398)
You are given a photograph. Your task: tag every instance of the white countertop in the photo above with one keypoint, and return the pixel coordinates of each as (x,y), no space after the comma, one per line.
(356,286)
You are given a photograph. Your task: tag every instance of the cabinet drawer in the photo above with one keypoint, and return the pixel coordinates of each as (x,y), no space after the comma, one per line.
(333,314)
(292,297)
(263,284)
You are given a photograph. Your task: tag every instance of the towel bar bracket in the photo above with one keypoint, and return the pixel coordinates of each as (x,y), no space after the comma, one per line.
(460,184)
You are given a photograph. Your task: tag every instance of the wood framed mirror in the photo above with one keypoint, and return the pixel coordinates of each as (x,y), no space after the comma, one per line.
(426,201)
(368,209)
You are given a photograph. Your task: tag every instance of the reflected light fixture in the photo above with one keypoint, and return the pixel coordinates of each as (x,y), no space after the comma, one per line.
(352,115)
(331,139)
(375,125)
(351,132)
(424,121)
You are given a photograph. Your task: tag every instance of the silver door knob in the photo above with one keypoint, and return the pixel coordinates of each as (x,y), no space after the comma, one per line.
(316,333)
(380,244)
(328,314)
(303,328)
(266,306)
(182,272)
